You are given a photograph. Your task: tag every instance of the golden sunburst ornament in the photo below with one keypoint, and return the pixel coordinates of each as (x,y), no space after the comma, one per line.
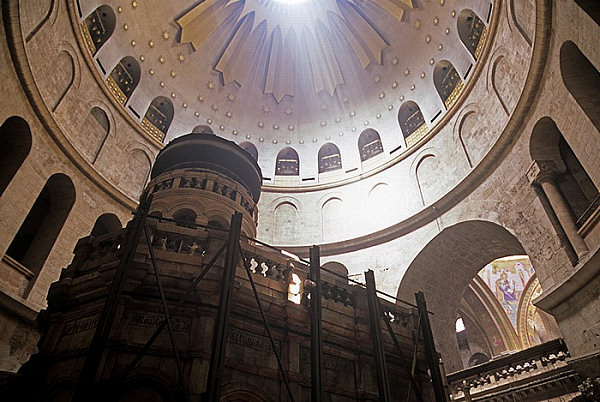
(281,36)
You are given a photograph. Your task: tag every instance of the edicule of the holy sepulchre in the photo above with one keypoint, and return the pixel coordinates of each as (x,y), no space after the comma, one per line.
(293,200)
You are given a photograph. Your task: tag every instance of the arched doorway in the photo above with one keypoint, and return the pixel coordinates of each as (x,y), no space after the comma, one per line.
(444,269)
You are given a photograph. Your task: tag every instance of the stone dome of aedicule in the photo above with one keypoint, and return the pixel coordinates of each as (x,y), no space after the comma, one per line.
(362,114)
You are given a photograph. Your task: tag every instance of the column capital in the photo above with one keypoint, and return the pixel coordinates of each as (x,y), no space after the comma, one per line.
(542,170)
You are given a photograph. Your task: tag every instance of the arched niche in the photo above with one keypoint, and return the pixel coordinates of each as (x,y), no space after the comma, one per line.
(330,158)
(250,148)
(64,76)
(369,144)
(35,238)
(332,219)
(124,78)
(412,123)
(15,136)
(96,126)
(591,7)
(447,82)
(548,144)
(288,163)
(471,31)
(106,223)
(286,224)
(445,267)
(582,80)
(158,117)
(98,27)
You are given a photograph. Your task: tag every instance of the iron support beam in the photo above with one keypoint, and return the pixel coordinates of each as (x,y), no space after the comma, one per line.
(217,356)
(316,330)
(430,352)
(167,319)
(403,361)
(383,385)
(180,303)
(84,390)
(267,327)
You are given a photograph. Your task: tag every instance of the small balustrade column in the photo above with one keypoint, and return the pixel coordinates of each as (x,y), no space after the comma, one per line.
(542,174)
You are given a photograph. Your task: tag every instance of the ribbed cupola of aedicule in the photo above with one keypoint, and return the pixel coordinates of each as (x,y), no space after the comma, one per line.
(203,179)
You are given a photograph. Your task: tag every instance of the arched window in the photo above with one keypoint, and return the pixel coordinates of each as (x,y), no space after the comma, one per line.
(447,82)
(329,158)
(412,123)
(369,144)
(582,80)
(471,31)
(36,236)
(591,7)
(106,223)
(185,217)
(16,144)
(124,78)
(158,117)
(98,27)
(288,163)
(250,148)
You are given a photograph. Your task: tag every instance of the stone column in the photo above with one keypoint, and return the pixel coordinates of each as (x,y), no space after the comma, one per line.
(542,173)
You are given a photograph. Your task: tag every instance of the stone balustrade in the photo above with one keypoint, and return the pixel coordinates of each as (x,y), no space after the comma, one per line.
(539,370)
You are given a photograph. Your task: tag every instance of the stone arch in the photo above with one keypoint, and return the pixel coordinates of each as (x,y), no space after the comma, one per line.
(377,212)
(285,225)
(447,82)
(470,130)
(547,145)
(15,136)
(51,6)
(185,217)
(65,76)
(426,170)
(329,158)
(36,237)
(523,10)
(501,78)
(369,144)
(124,78)
(412,123)
(135,174)
(582,79)
(250,148)
(106,223)
(471,31)
(99,27)
(158,117)
(288,162)
(444,268)
(332,218)
(459,132)
(97,125)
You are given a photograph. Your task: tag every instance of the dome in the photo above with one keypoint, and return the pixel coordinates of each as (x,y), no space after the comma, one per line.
(207,151)
(376,79)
